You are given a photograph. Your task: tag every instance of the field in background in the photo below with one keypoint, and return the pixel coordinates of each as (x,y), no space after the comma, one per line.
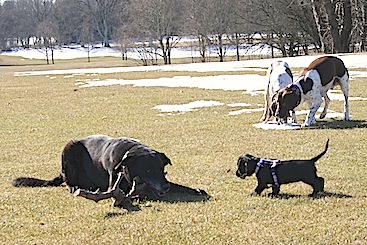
(40,115)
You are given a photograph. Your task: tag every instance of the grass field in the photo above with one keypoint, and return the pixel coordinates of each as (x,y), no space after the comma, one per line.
(40,115)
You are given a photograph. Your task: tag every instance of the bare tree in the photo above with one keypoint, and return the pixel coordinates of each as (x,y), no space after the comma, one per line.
(7,27)
(70,21)
(334,24)
(123,41)
(222,19)
(103,14)
(288,25)
(86,38)
(199,24)
(158,20)
(340,19)
(363,7)
(18,23)
(41,10)
(42,17)
(47,32)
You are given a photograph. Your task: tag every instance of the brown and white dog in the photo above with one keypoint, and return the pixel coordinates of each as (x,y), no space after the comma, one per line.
(279,76)
(311,86)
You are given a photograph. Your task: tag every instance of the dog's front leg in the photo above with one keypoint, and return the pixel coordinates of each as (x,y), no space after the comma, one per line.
(275,190)
(294,117)
(310,119)
(259,188)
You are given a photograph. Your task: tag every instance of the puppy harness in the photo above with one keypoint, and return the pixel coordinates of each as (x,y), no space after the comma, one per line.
(273,164)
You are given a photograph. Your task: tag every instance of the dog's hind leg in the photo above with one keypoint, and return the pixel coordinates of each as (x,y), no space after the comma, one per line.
(344,85)
(321,184)
(266,115)
(327,102)
(317,184)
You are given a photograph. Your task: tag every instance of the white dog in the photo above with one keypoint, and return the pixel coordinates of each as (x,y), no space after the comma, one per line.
(279,76)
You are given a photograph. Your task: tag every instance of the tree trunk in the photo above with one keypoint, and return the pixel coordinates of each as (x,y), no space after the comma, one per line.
(52,55)
(220,47)
(364,34)
(237,47)
(318,26)
(105,34)
(164,54)
(341,41)
(168,50)
(46,51)
(202,44)
(347,26)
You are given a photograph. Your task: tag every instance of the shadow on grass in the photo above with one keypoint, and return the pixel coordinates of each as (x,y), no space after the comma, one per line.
(318,196)
(332,194)
(111,215)
(339,124)
(177,194)
(180,193)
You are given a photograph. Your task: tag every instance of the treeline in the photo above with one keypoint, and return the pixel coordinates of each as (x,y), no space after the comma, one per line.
(154,27)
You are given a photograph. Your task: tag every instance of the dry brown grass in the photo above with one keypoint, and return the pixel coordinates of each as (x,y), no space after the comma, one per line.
(40,115)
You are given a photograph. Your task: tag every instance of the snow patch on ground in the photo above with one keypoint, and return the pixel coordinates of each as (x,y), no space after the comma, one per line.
(252,84)
(275,126)
(191,106)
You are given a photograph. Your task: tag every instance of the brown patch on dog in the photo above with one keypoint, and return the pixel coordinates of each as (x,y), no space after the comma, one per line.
(327,67)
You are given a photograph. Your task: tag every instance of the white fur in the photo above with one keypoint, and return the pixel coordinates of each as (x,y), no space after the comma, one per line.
(314,97)
(277,78)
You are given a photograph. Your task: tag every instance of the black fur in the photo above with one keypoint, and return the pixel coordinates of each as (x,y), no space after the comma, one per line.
(289,72)
(92,163)
(306,85)
(287,172)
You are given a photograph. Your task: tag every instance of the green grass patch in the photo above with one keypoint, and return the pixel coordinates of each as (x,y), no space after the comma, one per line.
(40,115)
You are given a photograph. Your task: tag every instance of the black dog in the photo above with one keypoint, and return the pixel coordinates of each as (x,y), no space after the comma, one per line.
(99,167)
(276,172)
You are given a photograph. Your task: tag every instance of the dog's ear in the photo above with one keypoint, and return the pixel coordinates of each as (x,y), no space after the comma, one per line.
(273,108)
(248,157)
(164,158)
(286,91)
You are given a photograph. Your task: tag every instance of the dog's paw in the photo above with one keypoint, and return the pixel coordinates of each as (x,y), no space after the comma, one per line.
(271,195)
(254,194)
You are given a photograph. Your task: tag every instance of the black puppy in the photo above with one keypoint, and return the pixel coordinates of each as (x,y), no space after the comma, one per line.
(276,172)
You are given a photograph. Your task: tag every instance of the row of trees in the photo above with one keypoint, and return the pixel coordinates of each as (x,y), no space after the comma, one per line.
(154,27)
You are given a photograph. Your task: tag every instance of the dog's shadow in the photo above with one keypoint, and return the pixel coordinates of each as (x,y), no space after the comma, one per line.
(339,124)
(331,194)
(318,196)
(178,193)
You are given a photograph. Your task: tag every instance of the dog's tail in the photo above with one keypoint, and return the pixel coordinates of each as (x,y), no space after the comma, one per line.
(33,182)
(266,116)
(322,153)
